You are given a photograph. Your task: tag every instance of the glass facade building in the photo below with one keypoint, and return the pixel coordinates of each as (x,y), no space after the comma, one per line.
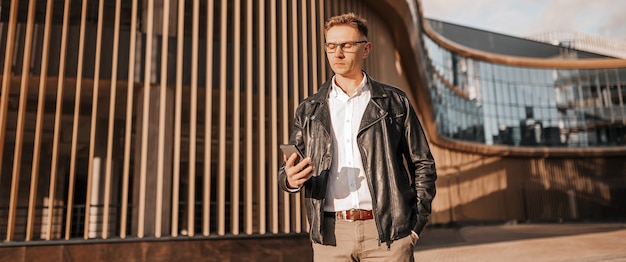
(493,103)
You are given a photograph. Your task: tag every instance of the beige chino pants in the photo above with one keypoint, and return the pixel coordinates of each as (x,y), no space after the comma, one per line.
(358,241)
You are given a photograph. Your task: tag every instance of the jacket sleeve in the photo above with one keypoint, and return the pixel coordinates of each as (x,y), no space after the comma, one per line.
(296,139)
(421,164)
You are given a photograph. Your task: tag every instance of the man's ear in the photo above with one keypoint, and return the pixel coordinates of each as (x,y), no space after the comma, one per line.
(367,49)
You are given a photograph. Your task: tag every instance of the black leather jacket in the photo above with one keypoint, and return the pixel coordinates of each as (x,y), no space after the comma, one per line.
(390,133)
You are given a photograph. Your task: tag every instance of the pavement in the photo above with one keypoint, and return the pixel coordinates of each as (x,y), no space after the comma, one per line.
(576,242)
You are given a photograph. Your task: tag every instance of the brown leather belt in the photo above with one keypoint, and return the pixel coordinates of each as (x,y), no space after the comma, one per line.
(351,215)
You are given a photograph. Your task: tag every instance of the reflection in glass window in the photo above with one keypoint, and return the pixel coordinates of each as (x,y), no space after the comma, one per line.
(494,104)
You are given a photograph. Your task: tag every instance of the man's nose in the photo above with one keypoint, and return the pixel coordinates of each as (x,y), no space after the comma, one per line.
(339,52)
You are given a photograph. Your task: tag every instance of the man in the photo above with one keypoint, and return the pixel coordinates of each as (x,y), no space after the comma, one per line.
(368,175)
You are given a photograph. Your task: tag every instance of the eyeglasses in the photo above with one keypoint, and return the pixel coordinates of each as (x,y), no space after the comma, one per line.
(348,47)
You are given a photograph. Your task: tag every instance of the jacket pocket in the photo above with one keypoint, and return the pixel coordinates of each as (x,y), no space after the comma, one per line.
(395,124)
(317,185)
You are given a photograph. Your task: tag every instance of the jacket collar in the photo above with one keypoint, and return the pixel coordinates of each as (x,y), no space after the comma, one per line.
(376,90)
(373,112)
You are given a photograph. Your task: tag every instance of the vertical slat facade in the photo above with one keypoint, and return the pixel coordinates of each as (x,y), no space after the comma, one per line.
(225,77)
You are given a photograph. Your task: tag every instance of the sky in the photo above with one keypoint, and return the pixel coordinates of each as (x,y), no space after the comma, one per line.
(523,18)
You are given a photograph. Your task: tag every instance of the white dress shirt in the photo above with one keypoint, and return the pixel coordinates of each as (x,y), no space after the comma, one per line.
(347,185)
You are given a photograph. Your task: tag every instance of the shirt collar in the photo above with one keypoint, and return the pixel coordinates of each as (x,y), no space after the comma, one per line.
(336,90)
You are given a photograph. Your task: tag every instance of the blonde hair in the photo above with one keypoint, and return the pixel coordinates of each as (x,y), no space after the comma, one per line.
(347,19)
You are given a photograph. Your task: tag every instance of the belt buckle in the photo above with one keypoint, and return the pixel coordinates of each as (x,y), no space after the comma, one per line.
(344,213)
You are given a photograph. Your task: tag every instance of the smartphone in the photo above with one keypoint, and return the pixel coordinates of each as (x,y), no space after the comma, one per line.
(289,149)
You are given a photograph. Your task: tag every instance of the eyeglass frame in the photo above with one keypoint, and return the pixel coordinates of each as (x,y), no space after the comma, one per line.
(341,45)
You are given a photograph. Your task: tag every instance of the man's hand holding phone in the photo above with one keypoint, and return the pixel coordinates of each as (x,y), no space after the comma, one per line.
(297,168)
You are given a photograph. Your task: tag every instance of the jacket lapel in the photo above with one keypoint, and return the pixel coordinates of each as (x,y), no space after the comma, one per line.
(322,112)
(375,111)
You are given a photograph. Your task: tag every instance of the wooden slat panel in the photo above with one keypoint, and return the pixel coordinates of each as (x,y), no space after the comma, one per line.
(165,29)
(110,130)
(21,117)
(208,115)
(261,182)
(32,201)
(304,34)
(297,87)
(234,199)
(221,186)
(145,121)
(58,118)
(315,41)
(6,76)
(284,65)
(273,119)
(249,146)
(129,117)
(94,179)
(75,124)
(193,118)
(177,114)
(322,17)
